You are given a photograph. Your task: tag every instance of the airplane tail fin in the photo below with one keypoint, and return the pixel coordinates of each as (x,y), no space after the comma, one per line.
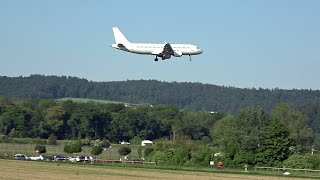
(119,37)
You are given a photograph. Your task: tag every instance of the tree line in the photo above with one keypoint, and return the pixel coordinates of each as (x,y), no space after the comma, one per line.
(70,120)
(250,136)
(193,96)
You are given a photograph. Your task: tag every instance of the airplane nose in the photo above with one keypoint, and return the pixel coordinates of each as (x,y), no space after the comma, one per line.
(200,51)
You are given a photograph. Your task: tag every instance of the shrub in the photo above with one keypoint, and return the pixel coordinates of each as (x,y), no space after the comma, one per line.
(96,142)
(148,151)
(297,161)
(314,161)
(96,150)
(105,143)
(162,157)
(123,151)
(202,156)
(180,156)
(135,140)
(86,142)
(73,147)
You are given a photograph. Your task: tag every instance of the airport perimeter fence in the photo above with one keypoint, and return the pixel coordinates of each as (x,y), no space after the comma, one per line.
(284,169)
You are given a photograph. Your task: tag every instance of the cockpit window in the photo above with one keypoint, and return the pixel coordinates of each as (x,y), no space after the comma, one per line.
(197,47)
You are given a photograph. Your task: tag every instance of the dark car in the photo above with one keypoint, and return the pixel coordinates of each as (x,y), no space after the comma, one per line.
(47,158)
(60,158)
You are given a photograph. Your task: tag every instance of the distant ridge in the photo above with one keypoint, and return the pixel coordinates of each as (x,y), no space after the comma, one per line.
(194,96)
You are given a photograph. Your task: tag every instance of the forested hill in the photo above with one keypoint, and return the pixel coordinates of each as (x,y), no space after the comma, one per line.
(195,96)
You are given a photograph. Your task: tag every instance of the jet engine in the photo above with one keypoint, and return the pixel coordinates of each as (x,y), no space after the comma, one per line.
(177,53)
(166,56)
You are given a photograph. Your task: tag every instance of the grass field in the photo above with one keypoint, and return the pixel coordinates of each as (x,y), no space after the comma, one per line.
(16,169)
(85,100)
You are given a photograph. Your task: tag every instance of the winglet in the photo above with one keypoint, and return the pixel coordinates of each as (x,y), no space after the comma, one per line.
(119,37)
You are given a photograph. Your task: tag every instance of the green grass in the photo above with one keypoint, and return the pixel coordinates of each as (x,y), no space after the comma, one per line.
(124,170)
(85,100)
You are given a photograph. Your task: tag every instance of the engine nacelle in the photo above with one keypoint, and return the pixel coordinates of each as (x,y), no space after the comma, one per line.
(177,53)
(166,56)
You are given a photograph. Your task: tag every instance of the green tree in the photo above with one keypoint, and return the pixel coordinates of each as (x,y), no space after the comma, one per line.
(96,150)
(56,120)
(105,143)
(297,125)
(73,147)
(123,151)
(275,145)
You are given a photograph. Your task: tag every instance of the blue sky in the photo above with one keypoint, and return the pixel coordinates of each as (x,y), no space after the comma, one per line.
(247,43)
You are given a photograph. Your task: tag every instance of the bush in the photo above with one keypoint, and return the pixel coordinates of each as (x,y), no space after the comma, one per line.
(162,157)
(96,142)
(135,140)
(86,142)
(105,143)
(297,161)
(180,156)
(123,151)
(96,150)
(73,147)
(202,156)
(148,151)
(314,161)
(40,148)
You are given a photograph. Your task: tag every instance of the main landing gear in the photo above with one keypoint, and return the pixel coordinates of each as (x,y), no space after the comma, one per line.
(156,59)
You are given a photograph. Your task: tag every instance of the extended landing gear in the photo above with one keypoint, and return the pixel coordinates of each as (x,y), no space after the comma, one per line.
(189,57)
(156,59)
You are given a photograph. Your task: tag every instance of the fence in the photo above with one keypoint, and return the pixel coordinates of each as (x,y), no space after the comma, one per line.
(287,169)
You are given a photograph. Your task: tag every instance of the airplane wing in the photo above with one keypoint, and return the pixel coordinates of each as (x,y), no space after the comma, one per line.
(167,49)
(166,52)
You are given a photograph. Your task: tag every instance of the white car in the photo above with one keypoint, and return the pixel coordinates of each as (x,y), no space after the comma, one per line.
(36,158)
(21,157)
(125,143)
(81,159)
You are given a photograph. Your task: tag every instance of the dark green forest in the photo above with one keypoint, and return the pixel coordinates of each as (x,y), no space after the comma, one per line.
(193,96)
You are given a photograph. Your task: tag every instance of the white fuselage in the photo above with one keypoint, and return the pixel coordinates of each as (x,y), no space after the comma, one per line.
(154,49)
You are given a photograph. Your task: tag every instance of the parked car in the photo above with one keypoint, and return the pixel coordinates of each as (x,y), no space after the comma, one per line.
(47,158)
(81,159)
(125,143)
(21,157)
(60,158)
(36,158)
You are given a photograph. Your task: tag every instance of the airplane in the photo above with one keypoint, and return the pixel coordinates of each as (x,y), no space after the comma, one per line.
(165,51)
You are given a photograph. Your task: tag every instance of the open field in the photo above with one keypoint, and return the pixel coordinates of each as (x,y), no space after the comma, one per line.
(15,169)
(85,100)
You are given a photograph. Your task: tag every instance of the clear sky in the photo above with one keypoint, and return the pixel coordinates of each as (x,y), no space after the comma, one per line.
(247,43)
